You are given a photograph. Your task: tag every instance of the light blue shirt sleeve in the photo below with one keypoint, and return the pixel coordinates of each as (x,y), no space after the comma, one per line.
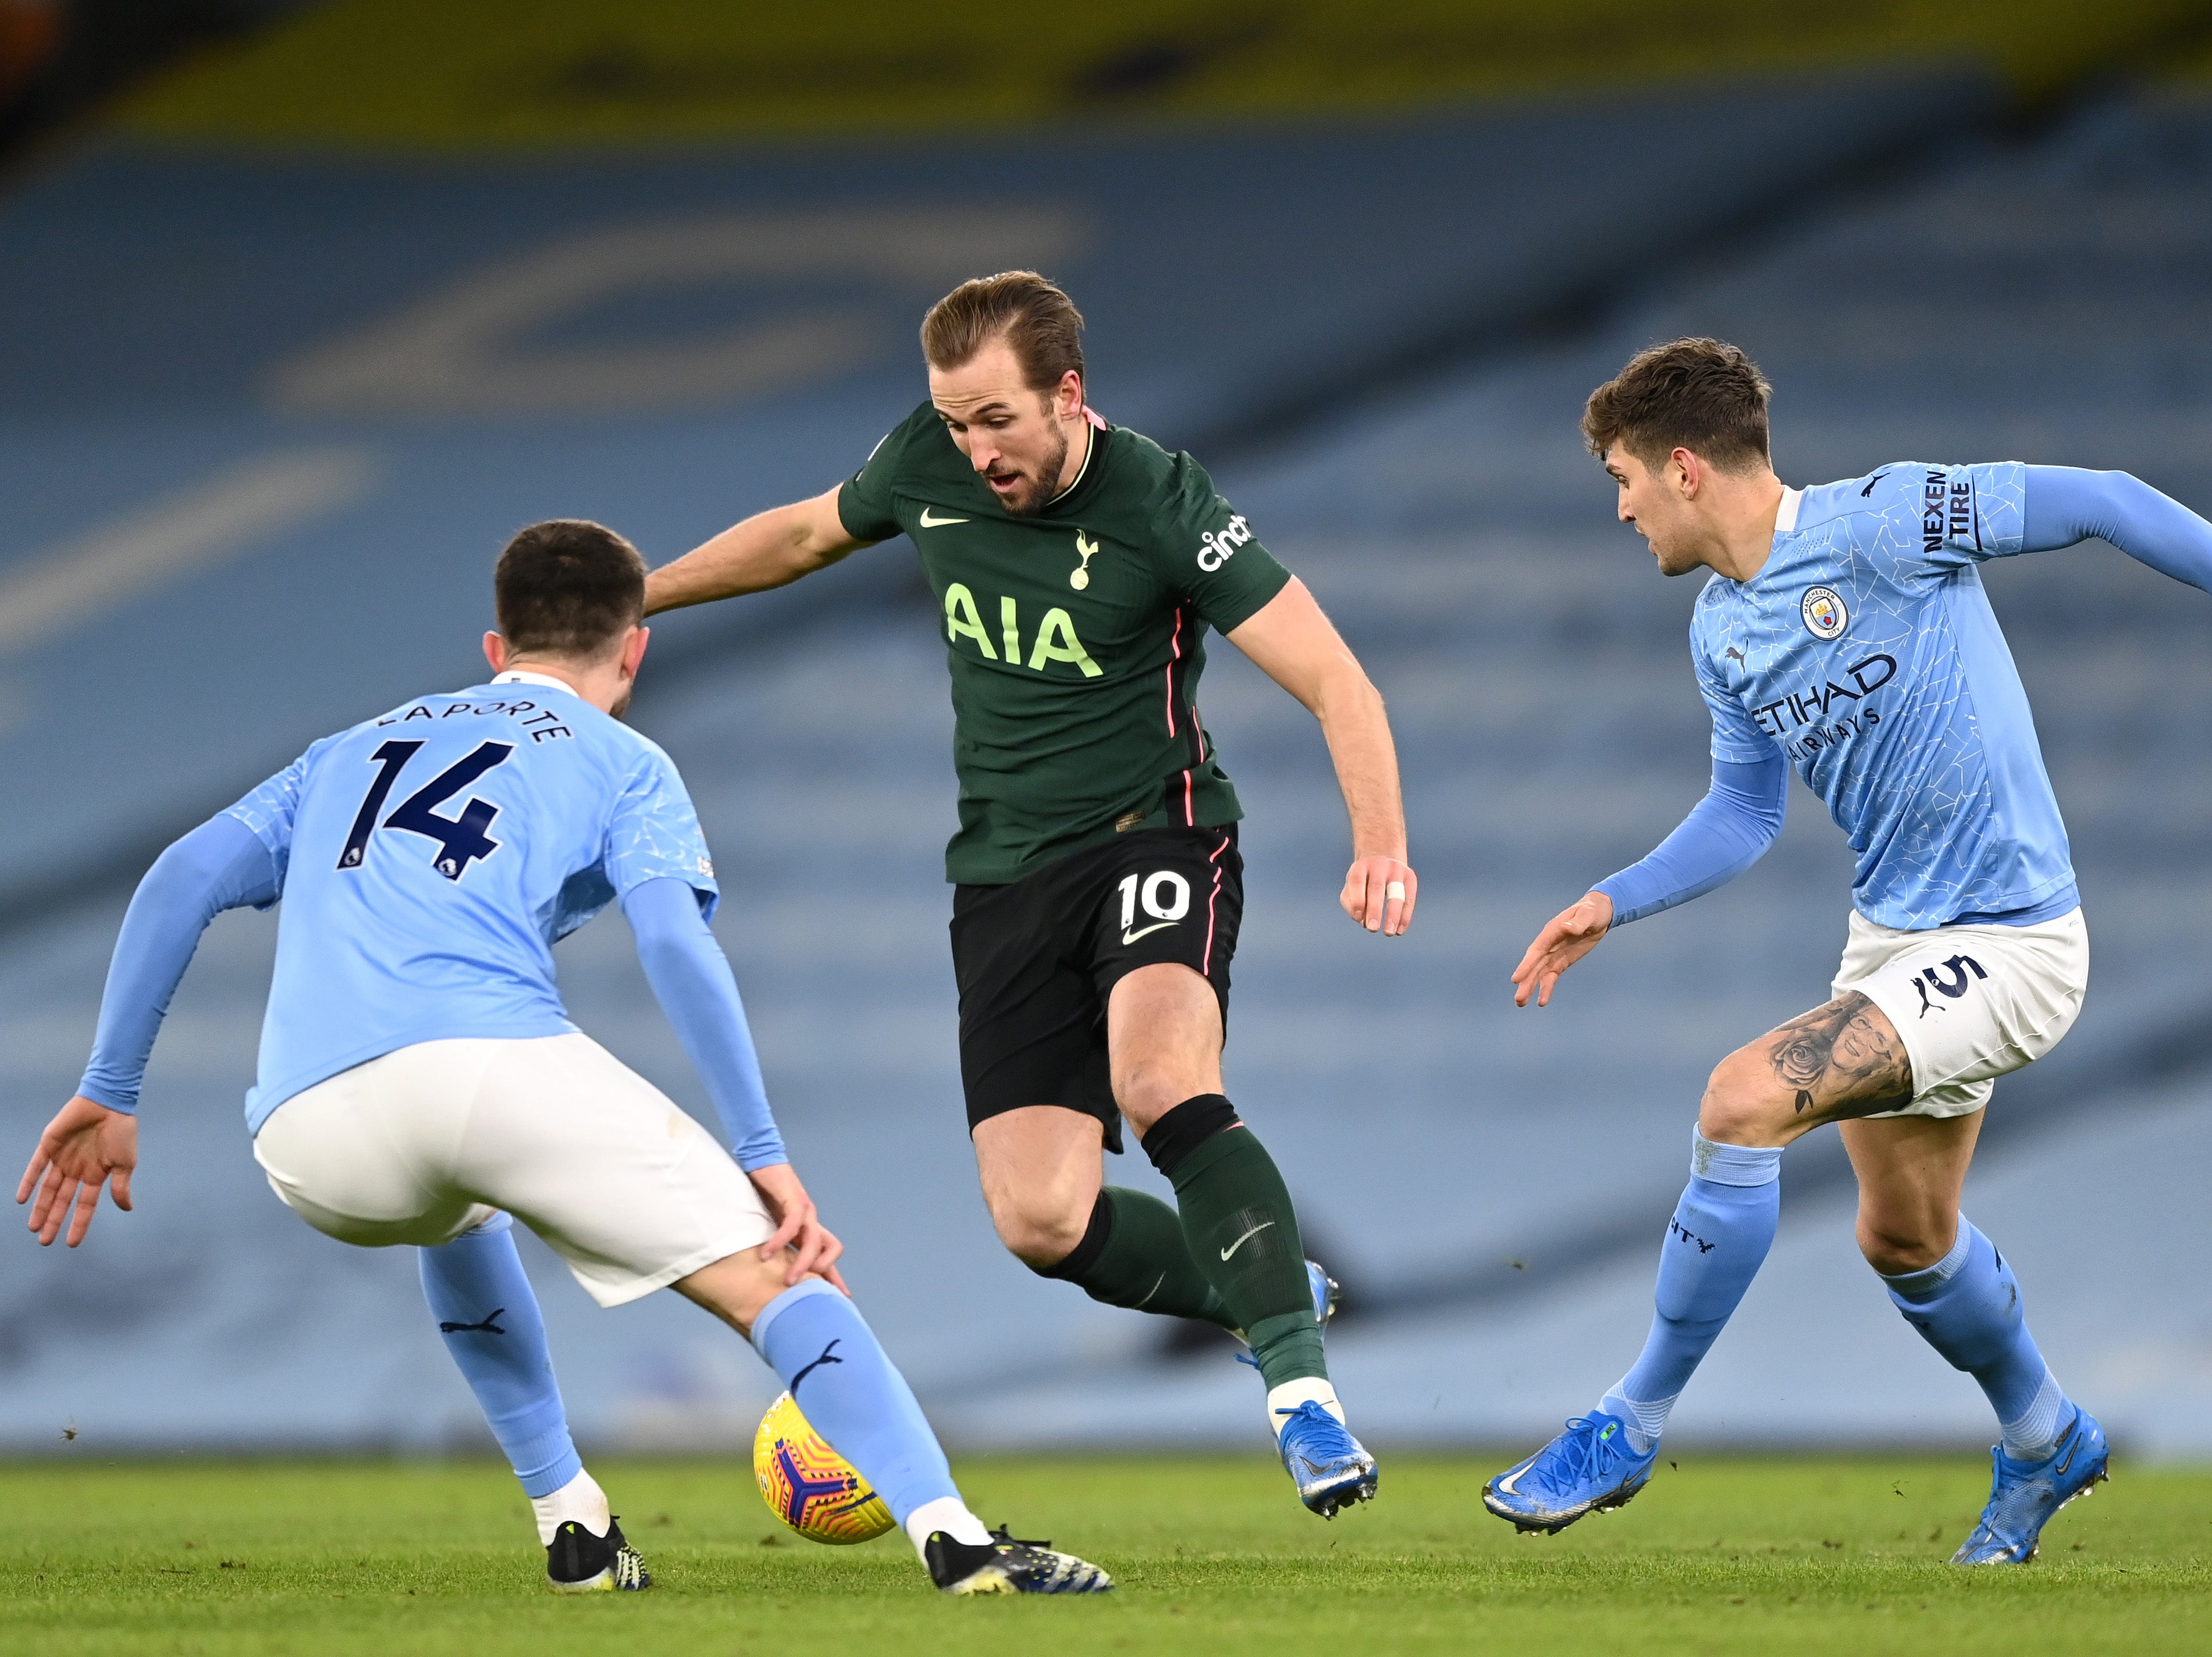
(1726,832)
(1966,514)
(2067,505)
(272,812)
(653,834)
(224,864)
(691,978)
(1737,738)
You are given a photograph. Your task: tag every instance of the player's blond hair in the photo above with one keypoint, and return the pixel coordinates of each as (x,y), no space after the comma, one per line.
(1702,395)
(1037,320)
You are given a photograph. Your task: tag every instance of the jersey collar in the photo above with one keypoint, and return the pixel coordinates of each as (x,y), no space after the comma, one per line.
(545,679)
(1098,429)
(1785,517)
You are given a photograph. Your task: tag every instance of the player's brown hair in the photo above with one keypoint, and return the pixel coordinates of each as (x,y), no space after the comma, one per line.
(1702,395)
(566,587)
(1039,321)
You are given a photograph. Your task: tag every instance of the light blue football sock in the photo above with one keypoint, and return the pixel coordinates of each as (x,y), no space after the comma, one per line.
(1715,1242)
(1967,1306)
(488,1315)
(850,1392)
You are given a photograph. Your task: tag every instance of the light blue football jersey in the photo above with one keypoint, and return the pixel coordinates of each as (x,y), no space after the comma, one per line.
(429,859)
(1865,650)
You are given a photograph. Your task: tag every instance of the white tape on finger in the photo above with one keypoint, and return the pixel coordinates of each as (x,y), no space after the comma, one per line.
(1395,892)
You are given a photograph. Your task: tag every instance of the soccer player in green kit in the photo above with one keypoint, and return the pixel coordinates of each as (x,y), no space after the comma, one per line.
(1097,886)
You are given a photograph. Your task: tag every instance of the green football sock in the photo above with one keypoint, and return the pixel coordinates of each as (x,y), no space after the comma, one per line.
(1133,1255)
(1238,1223)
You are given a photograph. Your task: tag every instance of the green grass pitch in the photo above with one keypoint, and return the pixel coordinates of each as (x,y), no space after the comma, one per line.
(1720,1555)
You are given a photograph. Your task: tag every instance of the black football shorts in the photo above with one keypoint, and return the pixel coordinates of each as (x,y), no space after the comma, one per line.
(1036,958)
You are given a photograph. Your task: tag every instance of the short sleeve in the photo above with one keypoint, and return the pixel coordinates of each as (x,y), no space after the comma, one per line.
(1961,515)
(1737,738)
(1213,556)
(866,504)
(271,811)
(653,834)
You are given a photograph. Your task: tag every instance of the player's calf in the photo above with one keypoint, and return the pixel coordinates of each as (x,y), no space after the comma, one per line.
(487,1313)
(1719,1237)
(816,1341)
(1239,1225)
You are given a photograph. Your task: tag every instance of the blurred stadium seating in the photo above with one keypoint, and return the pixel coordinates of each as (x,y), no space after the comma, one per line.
(270,407)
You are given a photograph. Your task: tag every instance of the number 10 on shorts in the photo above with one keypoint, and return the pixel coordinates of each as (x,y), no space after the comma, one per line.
(1165,895)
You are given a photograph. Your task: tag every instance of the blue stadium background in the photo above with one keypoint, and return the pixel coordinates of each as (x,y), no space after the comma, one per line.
(265,417)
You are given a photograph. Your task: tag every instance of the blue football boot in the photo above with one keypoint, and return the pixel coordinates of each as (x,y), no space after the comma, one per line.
(1324,1460)
(1330,1467)
(1324,1292)
(2023,1495)
(1588,1468)
(1324,1299)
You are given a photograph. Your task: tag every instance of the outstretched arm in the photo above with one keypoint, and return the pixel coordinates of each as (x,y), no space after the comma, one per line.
(1726,832)
(1297,647)
(691,978)
(221,865)
(771,549)
(2066,505)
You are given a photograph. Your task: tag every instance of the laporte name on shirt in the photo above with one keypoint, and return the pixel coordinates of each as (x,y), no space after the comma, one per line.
(542,726)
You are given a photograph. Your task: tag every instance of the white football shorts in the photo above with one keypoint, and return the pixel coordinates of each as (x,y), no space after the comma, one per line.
(432,1140)
(1971,1002)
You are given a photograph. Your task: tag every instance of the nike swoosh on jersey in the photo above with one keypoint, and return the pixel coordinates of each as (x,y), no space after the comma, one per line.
(1144,932)
(929,522)
(1246,1238)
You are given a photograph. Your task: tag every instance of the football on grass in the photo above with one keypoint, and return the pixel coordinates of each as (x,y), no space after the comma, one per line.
(808,1485)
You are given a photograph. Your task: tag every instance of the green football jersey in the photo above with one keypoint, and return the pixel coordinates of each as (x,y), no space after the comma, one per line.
(1074,637)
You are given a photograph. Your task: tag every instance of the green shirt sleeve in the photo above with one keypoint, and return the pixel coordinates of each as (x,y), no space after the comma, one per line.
(1212,557)
(865,503)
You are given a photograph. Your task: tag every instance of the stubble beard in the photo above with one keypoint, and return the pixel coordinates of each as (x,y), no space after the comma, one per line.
(1674,557)
(1045,486)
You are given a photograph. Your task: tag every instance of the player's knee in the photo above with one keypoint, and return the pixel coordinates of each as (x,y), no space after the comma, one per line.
(1145,1090)
(1037,1230)
(1738,1107)
(1894,1244)
(737,1288)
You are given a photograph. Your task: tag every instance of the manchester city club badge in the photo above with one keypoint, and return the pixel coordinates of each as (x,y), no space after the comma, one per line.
(1824,611)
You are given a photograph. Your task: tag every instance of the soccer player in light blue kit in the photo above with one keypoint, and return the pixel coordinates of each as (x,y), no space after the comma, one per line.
(420,1081)
(1844,631)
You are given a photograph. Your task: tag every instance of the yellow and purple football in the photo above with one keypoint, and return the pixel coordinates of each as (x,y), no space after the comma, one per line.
(810,1487)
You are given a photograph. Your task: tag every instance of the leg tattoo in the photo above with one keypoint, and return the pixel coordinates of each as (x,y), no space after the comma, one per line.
(1843,1059)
